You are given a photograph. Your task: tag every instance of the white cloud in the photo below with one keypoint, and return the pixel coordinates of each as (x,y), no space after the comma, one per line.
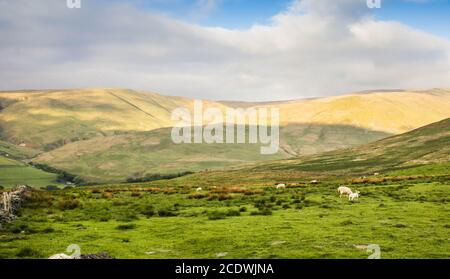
(316,48)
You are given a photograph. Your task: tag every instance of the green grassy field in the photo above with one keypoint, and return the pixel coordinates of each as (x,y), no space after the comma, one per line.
(407,219)
(13,172)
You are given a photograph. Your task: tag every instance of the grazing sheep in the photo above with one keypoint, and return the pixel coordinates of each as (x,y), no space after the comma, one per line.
(314,181)
(199,189)
(344,190)
(353,196)
(281,186)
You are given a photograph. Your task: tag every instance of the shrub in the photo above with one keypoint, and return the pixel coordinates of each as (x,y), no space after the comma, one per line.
(136,194)
(48,230)
(118,203)
(28,253)
(157,176)
(107,195)
(197,196)
(127,216)
(50,188)
(232,212)
(125,227)
(166,212)
(400,226)
(216,215)
(67,204)
(39,199)
(148,211)
(213,197)
(263,211)
(243,209)
(223,197)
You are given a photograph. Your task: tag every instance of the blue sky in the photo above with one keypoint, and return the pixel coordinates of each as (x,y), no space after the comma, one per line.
(432,16)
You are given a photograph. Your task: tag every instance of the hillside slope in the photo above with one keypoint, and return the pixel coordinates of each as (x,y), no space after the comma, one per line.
(114,158)
(424,151)
(426,145)
(390,112)
(49,119)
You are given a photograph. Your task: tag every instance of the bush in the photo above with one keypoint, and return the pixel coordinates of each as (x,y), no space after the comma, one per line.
(50,188)
(28,253)
(243,209)
(125,227)
(166,212)
(157,176)
(118,203)
(107,195)
(216,215)
(148,211)
(136,194)
(232,212)
(223,197)
(127,216)
(48,230)
(197,196)
(263,211)
(67,204)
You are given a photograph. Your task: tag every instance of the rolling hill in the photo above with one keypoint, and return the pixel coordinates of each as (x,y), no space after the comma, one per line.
(423,151)
(49,119)
(114,158)
(107,135)
(423,146)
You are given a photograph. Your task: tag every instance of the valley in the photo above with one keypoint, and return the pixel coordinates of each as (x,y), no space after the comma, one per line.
(219,200)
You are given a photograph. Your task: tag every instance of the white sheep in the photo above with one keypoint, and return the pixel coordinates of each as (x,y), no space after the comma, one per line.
(199,189)
(353,196)
(281,186)
(344,190)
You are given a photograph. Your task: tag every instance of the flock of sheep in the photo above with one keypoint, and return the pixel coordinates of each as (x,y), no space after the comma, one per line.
(342,190)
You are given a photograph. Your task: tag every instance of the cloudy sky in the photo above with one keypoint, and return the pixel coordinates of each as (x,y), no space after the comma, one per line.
(226,49)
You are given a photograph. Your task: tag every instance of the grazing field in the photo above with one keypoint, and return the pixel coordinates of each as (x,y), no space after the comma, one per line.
(14,173)
(406,218)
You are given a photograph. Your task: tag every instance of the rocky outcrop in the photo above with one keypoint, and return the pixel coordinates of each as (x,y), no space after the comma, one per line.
(10,202)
